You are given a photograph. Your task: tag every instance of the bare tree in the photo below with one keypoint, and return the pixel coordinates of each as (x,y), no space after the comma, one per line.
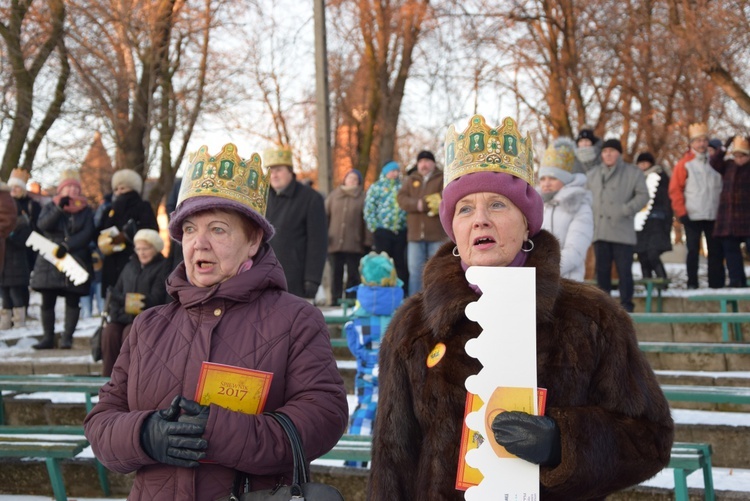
(32,32)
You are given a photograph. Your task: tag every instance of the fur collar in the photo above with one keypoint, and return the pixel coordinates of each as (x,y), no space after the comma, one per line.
(446,291)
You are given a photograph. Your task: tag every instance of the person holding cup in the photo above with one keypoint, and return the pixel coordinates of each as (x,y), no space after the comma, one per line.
(140,286)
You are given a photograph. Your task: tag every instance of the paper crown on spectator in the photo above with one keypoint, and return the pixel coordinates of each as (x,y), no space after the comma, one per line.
(696,130)
(226,175)
(70,174)
(480,148)
(740,144)
(278,155)
(19,177)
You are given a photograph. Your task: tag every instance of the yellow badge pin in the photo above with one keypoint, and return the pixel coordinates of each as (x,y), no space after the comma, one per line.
(437,354)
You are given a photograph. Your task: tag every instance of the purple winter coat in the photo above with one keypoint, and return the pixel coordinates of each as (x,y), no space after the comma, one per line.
(248,321)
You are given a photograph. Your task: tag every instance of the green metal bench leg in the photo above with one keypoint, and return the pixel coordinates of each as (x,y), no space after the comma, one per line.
(724,325)
(737,327)
(2,409)
(680,485)
(649,291)
(103,481)
(708,478)
(56,479)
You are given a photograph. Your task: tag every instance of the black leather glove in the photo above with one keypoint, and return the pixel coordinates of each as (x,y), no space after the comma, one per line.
(170,442)
(535,439)
(684,219)
(119,239)
(60,251)
(728,143)
(311,289)
(64,201)
(194,413)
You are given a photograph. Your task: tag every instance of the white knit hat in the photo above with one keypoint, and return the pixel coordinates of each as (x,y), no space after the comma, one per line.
(151,237)
(129,178)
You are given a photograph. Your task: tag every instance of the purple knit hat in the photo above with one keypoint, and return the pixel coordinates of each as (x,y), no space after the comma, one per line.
(194,205)
(521,193)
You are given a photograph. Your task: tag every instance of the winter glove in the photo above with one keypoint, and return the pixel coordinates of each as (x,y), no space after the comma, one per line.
(170,442)
(535,439)
(130,229)
(728,143)
(119,239)
(684,219)
(60,251)
(311,289)
(194,413)
(134,303)
(64,201)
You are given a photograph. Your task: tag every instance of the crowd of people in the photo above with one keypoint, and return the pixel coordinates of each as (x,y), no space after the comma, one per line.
(248,254)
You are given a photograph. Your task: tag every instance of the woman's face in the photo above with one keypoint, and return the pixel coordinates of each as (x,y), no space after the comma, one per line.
(145,252)
(549,184)
(215,244)
(69,190)
(741,158)
(351,179)
(489,229)
(121,189)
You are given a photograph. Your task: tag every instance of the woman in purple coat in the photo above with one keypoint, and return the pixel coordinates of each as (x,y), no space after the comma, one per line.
(230,307)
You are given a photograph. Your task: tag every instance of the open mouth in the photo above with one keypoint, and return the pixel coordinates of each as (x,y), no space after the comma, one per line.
(484,240)
(204,264)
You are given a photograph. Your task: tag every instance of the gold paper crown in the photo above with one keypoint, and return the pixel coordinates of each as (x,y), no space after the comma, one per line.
(697,130)
(226,175)
(481,148)
(69,174)
(280,155)
(21,174)
(740,144)
(560,155)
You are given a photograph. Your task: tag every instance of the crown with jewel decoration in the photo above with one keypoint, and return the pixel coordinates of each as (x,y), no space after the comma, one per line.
(279,155)
(226,175)
(480,148)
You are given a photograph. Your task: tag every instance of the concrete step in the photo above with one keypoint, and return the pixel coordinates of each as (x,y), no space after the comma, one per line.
(699,361)
(699,378)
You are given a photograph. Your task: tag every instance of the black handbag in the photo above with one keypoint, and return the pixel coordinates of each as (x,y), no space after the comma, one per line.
(301,487)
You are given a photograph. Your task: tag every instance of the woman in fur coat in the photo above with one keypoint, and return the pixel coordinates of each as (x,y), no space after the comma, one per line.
(567,207)
(607,424)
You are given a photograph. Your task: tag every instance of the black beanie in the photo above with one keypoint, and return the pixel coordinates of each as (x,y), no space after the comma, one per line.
(425,154)
(587,134)
(646,157)
(613,143)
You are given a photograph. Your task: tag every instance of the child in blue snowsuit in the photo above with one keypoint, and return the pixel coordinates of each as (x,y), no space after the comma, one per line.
(380,293)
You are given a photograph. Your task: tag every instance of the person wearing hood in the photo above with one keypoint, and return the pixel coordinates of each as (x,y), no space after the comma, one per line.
(386,220)
(588,151)
(230,307)
(653,223)
(567,207)
(602,395)
(619,191)
(347,236)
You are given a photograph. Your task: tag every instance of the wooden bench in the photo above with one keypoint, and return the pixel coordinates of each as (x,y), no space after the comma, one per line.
(706,348)
(52,449)
(724,318)
(88,385)
(651,285)
(707,394)
(685,459)
(726,300)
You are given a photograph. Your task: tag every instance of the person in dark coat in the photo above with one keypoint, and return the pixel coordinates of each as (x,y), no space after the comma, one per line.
(602,395)
(129,213)
(16,273)
(230,307)
(732,226)
(67,221)
(17,181)
(140,286)
(654,238)
(8,217)
(297,212)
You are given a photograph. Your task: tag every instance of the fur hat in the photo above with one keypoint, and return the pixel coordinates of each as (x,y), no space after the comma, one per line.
(129,178)
(151,237)
(558,160)
(614,144)
(19,177)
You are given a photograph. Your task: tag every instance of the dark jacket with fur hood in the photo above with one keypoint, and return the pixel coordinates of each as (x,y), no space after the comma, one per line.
(615,425)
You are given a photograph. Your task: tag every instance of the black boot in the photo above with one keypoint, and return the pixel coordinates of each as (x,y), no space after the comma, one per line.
(48,325)
(71,320)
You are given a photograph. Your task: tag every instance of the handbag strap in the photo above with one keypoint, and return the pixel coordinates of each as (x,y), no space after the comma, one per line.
(301,474)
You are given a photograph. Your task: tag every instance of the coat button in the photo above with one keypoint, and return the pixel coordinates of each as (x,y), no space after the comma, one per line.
(217,312)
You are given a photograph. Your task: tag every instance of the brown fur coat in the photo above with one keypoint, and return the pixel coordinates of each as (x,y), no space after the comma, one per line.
(615,425)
